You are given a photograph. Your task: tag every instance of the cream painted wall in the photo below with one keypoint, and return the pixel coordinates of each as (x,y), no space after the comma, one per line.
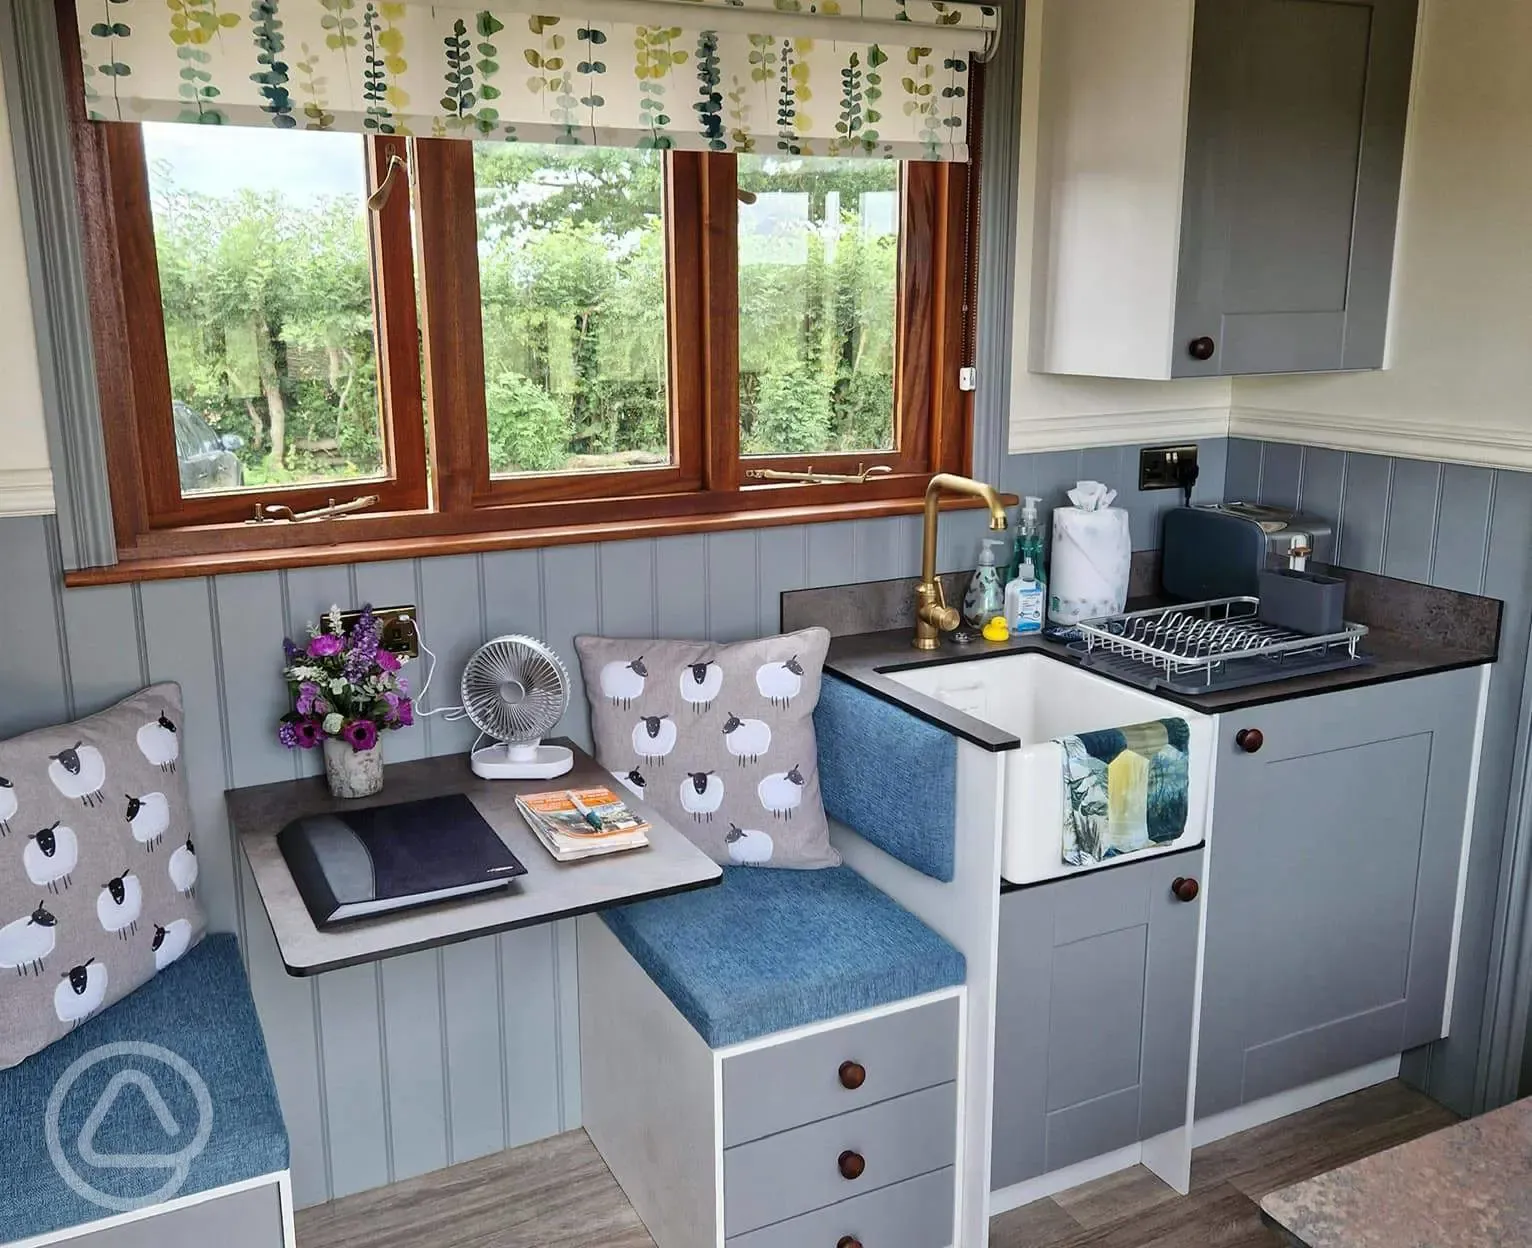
(1458,384)
(26,486)
(1061,413)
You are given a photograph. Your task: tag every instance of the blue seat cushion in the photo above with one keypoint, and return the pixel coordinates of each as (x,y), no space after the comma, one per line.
(108,1119)
(766,950)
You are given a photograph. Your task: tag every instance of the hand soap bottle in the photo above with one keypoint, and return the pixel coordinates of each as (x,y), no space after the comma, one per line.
(985,598)
(1024,602)
(1029,544)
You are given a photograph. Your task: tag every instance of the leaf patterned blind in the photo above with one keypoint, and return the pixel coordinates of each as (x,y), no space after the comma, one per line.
(879,78)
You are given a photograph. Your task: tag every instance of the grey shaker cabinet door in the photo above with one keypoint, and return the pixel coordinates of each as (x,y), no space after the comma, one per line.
(1093,1027)
(1332,884)
(1295,147)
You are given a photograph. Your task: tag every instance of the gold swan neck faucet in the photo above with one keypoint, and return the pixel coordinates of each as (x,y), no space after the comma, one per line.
(932,614)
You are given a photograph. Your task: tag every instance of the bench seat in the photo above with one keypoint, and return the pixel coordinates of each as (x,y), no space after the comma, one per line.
(198,1010)
(767,950)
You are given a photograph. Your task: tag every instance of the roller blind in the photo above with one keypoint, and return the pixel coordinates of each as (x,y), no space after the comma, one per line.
(878,78)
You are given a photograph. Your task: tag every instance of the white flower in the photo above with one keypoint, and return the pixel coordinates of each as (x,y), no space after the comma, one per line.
(335,619)
(332,724)
(337,686)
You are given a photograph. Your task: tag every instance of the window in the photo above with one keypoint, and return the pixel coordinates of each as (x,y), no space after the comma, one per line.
(466,344)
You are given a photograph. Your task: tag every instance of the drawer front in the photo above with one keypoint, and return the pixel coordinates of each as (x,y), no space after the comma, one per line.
(770,1180)
(787,1085)
(916,1214)
(248,1219)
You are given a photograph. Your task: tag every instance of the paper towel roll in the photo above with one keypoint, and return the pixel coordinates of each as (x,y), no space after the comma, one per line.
(1092,555)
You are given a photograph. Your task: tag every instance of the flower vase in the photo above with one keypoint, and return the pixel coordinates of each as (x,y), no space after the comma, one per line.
(352,772)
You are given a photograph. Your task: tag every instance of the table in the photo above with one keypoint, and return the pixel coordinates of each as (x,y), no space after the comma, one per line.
(1466,1186)
(550,890)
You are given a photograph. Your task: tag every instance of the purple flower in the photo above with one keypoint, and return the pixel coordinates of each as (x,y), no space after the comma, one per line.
(287,734)
(362,733)
(291,651)
(389,661)
(323,646)
(307,692)
(406,713)
(309,733)
(404,685)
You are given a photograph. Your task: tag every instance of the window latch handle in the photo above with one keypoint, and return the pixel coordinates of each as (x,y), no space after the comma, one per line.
(272,513)
(378,200)
(860,477)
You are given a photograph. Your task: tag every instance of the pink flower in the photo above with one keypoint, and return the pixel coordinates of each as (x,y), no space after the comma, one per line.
(309,733)
(389,661)
(325,645)
(362,733)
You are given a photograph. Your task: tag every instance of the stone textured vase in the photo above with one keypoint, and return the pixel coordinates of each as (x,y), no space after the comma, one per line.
(353,773)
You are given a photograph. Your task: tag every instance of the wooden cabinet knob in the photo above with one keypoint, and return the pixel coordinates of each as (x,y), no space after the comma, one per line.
(851,1164)
(1250,739)
(848,1241)
(852,1075)
(1201,348)
(1185,888)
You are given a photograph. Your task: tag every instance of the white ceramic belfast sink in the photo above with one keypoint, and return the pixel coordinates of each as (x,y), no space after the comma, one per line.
(1040,699)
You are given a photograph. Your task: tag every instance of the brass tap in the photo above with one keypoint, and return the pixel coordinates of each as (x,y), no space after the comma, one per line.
(932,614)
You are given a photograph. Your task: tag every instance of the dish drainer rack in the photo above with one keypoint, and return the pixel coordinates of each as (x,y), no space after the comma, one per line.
(1218,644)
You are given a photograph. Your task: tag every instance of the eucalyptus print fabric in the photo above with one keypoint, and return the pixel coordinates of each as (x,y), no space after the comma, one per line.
(450,70)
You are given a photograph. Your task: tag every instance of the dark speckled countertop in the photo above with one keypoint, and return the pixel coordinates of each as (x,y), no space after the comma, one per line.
(1466,1186)
(1438,631)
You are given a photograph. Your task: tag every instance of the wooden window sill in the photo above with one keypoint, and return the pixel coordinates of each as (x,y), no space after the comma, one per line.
(172,567)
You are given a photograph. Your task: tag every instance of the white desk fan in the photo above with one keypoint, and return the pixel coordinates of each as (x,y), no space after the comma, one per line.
(515,689)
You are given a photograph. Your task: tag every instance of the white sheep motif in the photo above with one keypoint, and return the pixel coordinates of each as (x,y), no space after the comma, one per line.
(26,943)
(747,739)
(654,736)
(750,847)
(701,795)
(148,819)
(170,942)
(119,904)
(8,805)
(81,993)
(78,772)
(160,743)
(184,869)
(782,792)
(51,856)
(780,683)
(700,684)
(623,683)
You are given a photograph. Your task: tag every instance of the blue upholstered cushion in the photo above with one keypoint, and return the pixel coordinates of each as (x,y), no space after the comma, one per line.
(888,775)
(197,1012)
(767,950)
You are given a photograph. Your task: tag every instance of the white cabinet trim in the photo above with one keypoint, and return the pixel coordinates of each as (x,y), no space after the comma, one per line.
(26,492)
(1080,432)
(1446,440)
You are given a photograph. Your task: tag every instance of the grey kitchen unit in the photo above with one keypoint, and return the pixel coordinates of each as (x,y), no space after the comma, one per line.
(1219,184)
(1295,145)
(1093,1013)
(1338,831)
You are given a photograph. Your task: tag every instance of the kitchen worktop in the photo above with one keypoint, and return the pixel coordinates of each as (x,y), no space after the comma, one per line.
(1462,1187)
(1415,631)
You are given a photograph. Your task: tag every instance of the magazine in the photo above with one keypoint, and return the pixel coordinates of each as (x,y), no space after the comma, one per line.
(582,823)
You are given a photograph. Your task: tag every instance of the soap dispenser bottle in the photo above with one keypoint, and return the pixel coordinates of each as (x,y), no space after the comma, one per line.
(1024,602)
(985,598)
(1029,542)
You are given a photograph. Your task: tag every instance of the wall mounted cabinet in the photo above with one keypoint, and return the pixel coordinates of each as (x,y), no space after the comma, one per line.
(1337,842)
(1218,184)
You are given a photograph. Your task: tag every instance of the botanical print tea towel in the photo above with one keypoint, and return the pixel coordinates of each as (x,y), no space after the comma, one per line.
(1124,789)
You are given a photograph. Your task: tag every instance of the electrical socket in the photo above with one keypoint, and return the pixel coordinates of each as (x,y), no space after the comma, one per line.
(1167,467)
(398,634)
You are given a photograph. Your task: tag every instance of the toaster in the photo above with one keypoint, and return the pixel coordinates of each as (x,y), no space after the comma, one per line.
(1218,550)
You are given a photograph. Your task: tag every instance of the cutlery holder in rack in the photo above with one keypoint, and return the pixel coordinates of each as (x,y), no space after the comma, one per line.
(1305,602)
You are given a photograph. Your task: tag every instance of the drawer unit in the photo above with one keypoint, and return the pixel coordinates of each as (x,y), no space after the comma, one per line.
(793,1172)
(836,1071)
(913,1214)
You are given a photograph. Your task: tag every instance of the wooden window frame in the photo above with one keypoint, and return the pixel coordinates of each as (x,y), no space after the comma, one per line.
(439,496)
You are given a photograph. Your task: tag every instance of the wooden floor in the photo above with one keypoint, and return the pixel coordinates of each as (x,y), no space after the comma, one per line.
(558,1194)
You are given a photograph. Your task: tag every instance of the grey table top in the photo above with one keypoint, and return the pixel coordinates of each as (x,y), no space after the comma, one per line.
(549,890)
(1466,1186)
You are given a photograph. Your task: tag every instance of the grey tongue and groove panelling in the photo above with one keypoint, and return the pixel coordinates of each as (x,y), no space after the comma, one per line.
(1461,528)
(396,1069)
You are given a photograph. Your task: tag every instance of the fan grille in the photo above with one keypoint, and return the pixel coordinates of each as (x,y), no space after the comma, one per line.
(515,689)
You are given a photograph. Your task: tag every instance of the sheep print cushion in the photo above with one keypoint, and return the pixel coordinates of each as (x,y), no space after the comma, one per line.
(719,739)
(98,871)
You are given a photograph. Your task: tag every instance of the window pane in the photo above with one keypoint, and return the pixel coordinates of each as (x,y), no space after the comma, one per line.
(818,269)
(264,271)
(572,270)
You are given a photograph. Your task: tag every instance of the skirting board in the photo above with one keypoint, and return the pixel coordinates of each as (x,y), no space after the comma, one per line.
(282,1180)
(1207,1131)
